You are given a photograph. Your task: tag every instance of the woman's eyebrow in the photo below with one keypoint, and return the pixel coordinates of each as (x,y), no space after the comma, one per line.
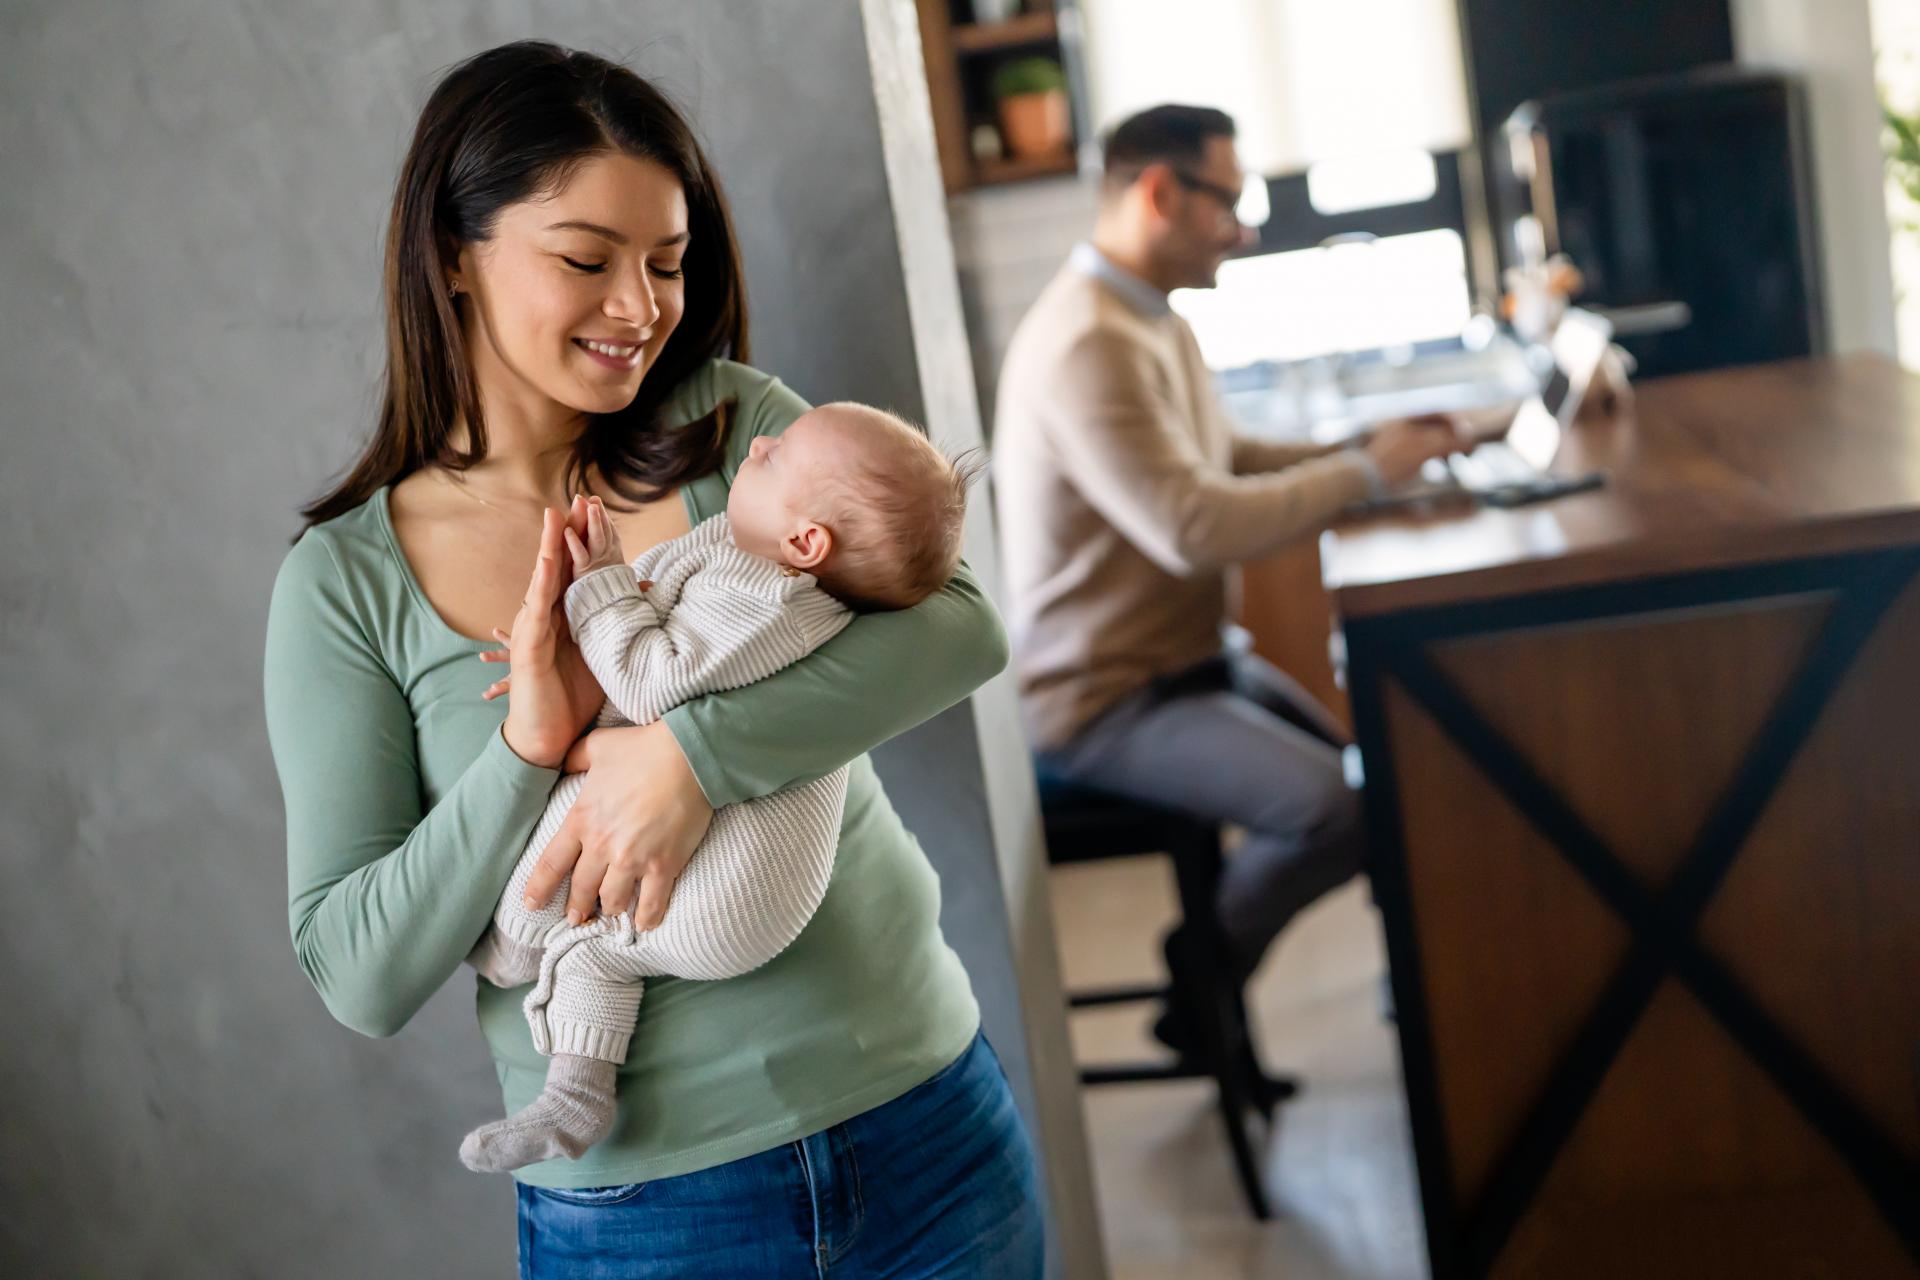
(609,233)
(593,228)
(679,237)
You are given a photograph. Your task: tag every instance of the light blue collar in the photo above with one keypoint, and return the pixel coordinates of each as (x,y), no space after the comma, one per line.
(1137,293)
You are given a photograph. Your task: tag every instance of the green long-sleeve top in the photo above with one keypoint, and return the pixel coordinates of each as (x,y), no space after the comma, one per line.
(406,811)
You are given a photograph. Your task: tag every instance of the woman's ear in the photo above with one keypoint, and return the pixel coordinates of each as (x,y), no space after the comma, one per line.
(809,546)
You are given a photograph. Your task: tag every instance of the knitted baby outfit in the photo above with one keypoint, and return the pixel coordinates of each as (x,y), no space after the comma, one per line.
(693,615)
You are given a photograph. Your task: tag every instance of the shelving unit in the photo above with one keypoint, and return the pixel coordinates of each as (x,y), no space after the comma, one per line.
(1026,30)
(961,57)
(1019,169)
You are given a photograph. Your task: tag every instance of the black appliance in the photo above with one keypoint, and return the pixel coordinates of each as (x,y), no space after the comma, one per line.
(1686,201)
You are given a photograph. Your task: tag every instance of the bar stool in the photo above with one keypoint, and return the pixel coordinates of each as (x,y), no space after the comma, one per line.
(1084,825)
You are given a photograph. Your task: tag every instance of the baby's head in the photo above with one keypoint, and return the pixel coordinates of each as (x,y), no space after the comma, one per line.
(858,498)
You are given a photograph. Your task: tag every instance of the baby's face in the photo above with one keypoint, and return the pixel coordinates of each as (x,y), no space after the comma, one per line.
(782,483)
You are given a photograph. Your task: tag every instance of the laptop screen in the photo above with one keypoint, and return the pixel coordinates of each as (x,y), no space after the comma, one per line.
(1579,344)
(1559,387)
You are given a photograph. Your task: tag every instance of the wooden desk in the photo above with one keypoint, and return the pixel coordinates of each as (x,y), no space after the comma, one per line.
(1644,785)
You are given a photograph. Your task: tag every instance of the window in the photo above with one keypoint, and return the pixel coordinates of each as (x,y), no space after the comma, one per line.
(1305,80)
(1351,297)
(1353,111)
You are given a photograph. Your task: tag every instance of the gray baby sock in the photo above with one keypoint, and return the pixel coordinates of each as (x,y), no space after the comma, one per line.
(572,1113)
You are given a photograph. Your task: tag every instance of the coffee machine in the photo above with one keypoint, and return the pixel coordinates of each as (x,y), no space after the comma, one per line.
(1686,203)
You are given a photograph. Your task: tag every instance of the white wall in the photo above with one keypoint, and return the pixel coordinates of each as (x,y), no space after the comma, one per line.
(1896,40)
(1830,44)
(1007,243)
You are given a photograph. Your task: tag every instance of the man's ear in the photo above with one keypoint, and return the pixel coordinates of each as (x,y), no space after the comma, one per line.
(809,546)
(1158,190)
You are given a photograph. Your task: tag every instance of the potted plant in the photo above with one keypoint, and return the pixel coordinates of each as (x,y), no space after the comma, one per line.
(1031,94)
(1903,152)
(1903,211)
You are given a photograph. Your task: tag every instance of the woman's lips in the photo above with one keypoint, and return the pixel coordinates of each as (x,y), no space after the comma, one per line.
(613,355)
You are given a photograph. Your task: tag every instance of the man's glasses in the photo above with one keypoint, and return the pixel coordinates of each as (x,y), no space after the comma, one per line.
(1226,197)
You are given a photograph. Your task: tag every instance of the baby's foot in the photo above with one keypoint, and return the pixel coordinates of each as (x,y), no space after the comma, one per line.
(572,1113)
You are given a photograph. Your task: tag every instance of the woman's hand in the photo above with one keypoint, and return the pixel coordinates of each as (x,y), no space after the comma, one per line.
(554,695)
(639,817)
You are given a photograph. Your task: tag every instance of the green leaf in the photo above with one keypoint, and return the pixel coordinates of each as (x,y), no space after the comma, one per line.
(1027,75)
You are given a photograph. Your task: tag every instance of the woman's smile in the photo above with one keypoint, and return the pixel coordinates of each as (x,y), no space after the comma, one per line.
(624,357)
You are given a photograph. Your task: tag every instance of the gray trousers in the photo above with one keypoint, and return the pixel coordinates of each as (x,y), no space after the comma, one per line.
(1235,740)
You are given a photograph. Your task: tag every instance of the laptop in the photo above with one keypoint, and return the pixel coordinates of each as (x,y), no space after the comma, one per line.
(1513,470)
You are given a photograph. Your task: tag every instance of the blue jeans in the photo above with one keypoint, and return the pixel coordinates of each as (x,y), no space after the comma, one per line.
(939,1182)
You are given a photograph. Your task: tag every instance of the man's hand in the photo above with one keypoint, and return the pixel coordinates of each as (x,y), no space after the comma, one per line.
(1401,447)
(601,549)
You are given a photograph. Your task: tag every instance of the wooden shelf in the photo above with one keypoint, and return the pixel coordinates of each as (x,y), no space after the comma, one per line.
(992,37)
(960,61)
(989,172)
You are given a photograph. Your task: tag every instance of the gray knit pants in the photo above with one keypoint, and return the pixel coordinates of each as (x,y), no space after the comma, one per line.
(1235,740)
(752,885)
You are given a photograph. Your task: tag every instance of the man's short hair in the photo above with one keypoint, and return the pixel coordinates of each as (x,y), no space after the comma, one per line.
(1171,134)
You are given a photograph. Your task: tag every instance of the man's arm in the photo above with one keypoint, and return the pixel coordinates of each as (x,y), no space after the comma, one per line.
(1134,464)
(1257,457)
(1253,457)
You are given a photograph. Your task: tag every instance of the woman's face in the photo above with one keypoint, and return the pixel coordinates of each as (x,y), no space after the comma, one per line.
(569,303)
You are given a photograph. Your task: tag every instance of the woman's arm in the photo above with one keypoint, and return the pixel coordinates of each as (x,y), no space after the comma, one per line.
(882,675)
(384,900)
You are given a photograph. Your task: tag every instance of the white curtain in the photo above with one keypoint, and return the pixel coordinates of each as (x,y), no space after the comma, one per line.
(1305,80)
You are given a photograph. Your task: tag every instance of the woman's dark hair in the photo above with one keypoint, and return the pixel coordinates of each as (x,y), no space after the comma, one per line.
(504,126)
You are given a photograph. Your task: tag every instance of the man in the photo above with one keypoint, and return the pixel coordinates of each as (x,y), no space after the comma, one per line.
(1125,498)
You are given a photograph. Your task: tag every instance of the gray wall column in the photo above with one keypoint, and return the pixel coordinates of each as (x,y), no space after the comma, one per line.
(1012,835)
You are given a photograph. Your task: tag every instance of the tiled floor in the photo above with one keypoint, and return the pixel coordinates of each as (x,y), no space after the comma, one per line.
(1339,1168)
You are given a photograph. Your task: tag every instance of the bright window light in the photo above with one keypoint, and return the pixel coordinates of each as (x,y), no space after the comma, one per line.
(1254,208)
(1370,181)
(1311,302)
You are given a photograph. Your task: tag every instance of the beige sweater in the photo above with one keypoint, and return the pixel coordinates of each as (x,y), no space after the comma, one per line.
(1125,498)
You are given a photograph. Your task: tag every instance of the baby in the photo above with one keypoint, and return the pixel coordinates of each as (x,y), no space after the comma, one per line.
(850,509)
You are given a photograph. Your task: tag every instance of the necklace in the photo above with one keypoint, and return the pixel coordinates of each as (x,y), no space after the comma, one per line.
(461,486)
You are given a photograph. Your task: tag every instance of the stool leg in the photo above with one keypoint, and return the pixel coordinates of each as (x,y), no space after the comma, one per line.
(1215,998)
(1267,1092)
(1235,1102)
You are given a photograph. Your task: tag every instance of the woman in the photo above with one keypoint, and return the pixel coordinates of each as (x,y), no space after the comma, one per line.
(562,287)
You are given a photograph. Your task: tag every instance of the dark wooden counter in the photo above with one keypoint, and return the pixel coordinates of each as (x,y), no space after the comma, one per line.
(1643,780)
(1709,469)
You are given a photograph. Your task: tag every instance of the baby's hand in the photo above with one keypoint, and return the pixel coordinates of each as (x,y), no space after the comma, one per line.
(601,550)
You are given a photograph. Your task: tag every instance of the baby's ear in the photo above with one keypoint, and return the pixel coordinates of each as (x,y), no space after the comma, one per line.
(808,546)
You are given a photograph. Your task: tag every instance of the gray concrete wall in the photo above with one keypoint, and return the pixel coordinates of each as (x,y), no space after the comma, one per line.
(191,201)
